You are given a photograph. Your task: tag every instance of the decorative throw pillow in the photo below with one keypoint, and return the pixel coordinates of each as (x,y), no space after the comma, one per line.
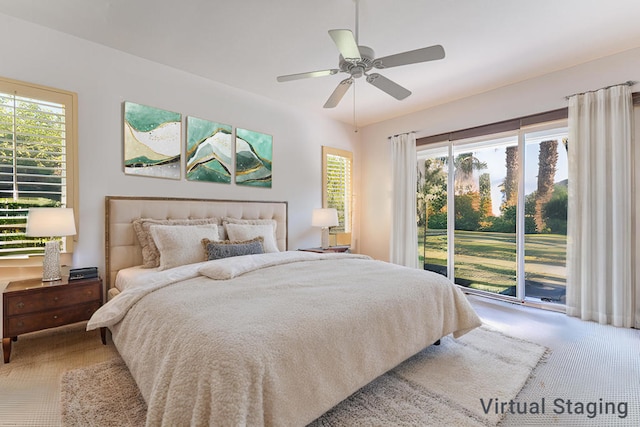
(229,220)
(181,244)
(150,253)
(228,248)
(249,231)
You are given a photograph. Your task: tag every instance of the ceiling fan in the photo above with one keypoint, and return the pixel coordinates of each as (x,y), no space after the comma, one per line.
(357,61)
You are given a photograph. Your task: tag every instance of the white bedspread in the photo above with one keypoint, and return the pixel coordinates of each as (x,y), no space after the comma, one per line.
(280,343)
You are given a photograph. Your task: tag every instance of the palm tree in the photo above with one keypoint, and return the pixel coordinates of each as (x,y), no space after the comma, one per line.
(510,186)
(547,161)
(466,164)
(485,195)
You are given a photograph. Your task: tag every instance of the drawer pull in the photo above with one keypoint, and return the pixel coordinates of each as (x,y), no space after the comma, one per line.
(20,324)
(55,317)
(55,299)
(89,293)
(20,304)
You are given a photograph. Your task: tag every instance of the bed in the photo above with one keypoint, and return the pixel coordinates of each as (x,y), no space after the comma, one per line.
(275,338)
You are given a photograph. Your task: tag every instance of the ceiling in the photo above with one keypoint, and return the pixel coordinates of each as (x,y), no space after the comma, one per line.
(248,43)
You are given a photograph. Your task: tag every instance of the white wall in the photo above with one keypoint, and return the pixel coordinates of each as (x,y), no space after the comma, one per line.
(532,96)
(104,78)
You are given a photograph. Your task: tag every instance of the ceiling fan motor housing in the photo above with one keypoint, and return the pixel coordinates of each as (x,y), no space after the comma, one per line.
(358,67)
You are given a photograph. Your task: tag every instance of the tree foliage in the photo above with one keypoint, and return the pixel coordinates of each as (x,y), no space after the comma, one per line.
(473,206)
(547,161)
(35,138)
(432,189)
(32,166)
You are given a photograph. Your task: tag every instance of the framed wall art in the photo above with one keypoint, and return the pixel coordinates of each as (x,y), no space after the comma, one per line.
(253,158)
(209,151)
(152,141)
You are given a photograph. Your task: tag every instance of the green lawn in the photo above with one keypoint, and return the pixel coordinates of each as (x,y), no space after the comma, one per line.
(487,260)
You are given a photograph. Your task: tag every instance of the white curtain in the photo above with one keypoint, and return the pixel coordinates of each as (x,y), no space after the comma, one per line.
(601,281)
(404,230)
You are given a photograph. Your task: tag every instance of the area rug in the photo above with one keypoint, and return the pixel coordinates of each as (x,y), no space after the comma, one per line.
(456,384)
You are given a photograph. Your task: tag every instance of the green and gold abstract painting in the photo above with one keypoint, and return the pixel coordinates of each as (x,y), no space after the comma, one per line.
(152,141)
(209,153)
(253,158)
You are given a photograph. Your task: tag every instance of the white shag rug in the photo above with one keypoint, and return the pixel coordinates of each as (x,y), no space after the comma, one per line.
(456,383)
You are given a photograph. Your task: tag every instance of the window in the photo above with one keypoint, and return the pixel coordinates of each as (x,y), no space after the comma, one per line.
(37,155)
(432,215)
(502,227)
(337,191)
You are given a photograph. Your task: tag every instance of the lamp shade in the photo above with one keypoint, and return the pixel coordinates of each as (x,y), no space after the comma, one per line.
(50,222)
(325,217)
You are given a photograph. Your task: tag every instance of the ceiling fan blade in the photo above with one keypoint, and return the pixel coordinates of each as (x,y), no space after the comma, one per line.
(338,93)
(388,86)
(298,76)
(346,44)
(425,54)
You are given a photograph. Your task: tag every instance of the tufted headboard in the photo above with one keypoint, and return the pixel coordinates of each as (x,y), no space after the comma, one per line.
(122,248)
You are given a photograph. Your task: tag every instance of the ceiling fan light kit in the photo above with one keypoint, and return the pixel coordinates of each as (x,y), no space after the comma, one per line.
(357,61)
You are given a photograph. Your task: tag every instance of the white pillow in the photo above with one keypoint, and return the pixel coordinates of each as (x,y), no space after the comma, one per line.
(229,220)
(182,244)
(251,231)
(150,253)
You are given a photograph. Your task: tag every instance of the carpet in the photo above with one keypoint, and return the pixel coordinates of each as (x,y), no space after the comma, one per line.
(30,383)
(450,384)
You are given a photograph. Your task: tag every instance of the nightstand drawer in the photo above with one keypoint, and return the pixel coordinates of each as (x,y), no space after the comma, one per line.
(51,298)
(34,322)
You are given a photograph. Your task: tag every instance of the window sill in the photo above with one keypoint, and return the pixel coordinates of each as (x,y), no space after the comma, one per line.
(26,268)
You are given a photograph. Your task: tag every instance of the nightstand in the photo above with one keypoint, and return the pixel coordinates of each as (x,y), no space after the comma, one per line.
(32,305)
(330,249)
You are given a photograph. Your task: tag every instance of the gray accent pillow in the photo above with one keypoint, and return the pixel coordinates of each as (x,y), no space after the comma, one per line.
(227,249)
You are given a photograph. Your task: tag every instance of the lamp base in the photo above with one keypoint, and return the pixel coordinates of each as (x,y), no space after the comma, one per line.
(325,237)
(51,263)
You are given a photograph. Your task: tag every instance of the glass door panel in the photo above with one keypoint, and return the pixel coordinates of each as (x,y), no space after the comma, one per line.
(485,199)
(546,184)
(432,209)
(492,215)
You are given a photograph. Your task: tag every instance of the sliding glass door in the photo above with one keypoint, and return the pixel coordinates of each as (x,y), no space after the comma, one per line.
(545,205)
(492,213)
(433,171)
(485,205)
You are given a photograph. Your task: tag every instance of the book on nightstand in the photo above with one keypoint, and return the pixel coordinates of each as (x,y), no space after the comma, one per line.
(83,273)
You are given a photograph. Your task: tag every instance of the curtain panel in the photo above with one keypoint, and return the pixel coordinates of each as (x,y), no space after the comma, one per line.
(404,229)
(601,246)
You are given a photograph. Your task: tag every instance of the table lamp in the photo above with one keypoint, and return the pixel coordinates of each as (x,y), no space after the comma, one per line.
(325,218)
(51,222)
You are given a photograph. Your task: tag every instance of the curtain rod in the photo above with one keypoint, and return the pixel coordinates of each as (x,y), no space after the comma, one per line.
(403,133)
(628,83)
